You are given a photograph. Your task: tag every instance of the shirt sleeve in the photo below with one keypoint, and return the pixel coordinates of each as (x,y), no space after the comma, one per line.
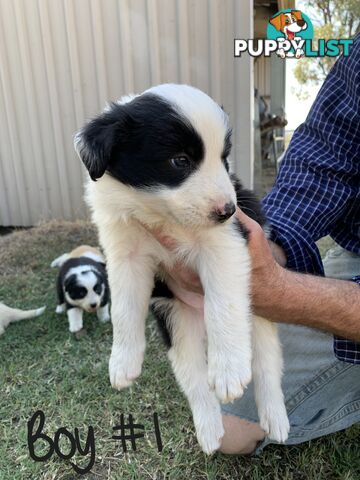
(319,175)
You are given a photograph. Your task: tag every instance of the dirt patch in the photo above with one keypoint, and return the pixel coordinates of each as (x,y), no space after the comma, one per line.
(26,250)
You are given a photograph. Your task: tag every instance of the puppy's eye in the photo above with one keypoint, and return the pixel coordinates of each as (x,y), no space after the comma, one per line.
(97,288)
(287,21)
(182,162)
(81,292)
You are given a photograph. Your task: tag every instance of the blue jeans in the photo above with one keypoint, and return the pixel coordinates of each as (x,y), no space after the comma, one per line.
(322,394)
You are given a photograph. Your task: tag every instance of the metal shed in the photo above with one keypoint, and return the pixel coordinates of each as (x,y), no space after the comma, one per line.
(61,61)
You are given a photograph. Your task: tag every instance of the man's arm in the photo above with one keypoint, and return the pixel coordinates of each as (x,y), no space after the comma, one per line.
(327,304)
(284,296)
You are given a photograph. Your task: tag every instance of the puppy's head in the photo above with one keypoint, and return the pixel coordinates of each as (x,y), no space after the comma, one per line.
(169,145)
(289,23)
(84,289)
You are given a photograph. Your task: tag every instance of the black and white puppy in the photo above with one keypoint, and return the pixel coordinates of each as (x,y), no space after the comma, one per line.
(159,159)
(82,285)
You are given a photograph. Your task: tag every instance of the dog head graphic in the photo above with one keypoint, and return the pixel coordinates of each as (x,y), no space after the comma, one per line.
(289,23)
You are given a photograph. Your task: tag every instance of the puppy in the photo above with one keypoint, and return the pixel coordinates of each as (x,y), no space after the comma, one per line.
(289,24)
(82,285)
(160,160)
(9,315)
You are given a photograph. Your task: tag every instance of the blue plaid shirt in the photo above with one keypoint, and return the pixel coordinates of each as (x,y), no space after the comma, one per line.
(317,191)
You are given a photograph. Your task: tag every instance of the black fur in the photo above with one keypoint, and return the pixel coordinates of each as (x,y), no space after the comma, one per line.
(249,204)
(72,287)
(60,290)
(70,283)
(227,149)
(161,290)
(136,141)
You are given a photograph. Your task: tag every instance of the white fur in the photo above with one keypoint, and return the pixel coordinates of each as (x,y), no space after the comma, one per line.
(188,360)
(58,262)
(103,314)
(60,309)
(88,279)
(9,315)
(75,317)
(218,254)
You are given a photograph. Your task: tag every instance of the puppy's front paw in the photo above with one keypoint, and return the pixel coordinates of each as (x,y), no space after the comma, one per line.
(274,421)
(60,309)
(209,432)
(75,324)
(104,317)
(229,375)
(124,366)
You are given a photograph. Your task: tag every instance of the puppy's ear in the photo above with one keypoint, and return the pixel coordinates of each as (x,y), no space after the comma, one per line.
(277,21)
(297,14)
(94,143)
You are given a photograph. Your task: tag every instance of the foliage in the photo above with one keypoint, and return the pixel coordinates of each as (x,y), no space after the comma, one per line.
(331,19)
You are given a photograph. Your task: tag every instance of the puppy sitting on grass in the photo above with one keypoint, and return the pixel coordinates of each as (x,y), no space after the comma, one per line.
(82,285)
(159,161)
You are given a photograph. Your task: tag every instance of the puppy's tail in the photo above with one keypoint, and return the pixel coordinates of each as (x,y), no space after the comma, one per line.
(59,261)
(8,314)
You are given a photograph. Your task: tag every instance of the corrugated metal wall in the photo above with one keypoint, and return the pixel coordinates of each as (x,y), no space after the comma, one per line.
(61,60)
(262,68)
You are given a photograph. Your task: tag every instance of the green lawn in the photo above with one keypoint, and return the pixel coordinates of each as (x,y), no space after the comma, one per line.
(42,366)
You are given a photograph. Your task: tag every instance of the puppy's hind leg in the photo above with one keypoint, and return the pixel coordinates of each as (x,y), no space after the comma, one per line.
(59,261)
(187,355)
(267,371)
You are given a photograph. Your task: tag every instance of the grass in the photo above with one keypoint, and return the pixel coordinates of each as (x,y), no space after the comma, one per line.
(42,366)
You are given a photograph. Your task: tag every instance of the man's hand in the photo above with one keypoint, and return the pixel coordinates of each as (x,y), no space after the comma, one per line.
(266,261)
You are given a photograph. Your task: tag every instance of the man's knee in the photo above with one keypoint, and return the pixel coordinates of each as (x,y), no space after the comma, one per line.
(241,436)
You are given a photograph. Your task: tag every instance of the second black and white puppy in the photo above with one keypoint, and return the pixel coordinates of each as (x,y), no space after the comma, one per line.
(82,285)
(160,160)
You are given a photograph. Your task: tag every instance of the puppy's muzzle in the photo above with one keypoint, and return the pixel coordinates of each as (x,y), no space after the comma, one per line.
(92,307)
(301,23)
(222,214)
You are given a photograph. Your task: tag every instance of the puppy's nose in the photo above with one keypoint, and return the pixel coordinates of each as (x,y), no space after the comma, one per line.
(93,305)
(225,212)
(301,23)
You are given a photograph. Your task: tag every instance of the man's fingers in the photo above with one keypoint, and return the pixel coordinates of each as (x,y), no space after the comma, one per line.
(249,223)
